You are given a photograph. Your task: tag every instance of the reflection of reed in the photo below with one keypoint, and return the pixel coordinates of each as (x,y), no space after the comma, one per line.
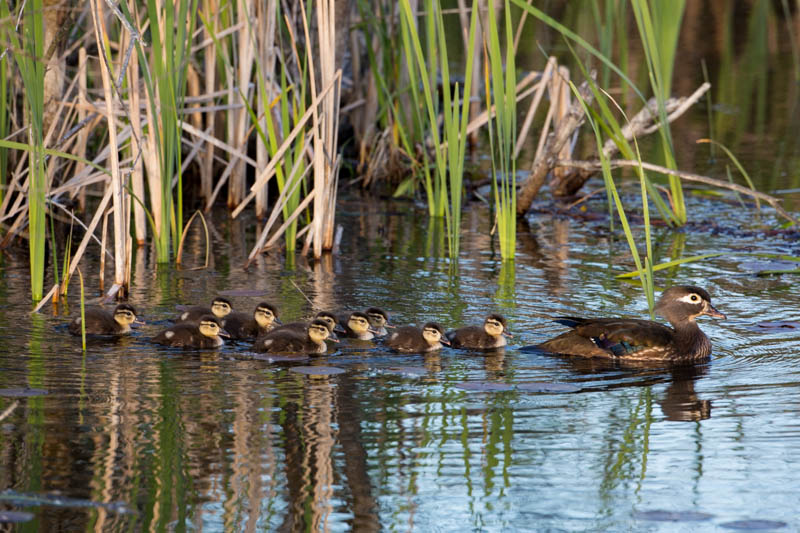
(103,483)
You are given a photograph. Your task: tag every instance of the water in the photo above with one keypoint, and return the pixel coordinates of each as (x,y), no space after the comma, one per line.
(137,436)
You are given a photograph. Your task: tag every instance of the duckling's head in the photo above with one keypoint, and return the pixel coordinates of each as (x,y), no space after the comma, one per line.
(433,333)
(378,318)
(318,331)
(358,322)
(265,314)
(684,303)
(221,307)
(125,315)
(495,325)
(209,326)
(329,319)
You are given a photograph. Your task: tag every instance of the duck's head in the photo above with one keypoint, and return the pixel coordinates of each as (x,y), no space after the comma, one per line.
(330,319)
(495,325)
(125,315)
(684,303)
(221,306)
(378,318)
(209,326)
(433,333)
(319,332)
(265,314)
(358,322)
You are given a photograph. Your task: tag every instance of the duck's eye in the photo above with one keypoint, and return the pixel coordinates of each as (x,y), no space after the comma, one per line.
(694,298)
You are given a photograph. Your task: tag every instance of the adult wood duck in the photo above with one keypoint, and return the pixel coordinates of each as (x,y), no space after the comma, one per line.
(630,339)
(101,322)
(285,340)
(491,335)
(357,327)
(243,326)
(415,340)
(301,326)
(204,334)
(378,320)
(220,307)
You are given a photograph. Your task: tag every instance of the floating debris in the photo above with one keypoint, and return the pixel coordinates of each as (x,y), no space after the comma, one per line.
(317,370)
(548,387)
(754,525)
(779,325)
(672,516)
(15,517)
(411,370)
(56,500)
(484,386)
(22,392)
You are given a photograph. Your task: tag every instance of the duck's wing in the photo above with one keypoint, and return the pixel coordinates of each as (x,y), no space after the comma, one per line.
(609,337)
(467,337)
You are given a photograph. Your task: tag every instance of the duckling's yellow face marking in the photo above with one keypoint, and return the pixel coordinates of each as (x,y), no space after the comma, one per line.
(209,328)
(432,335)
(318,333)
(220,309)
(126,317)
(358,324)
(493,327)
(377,320)
(264,317)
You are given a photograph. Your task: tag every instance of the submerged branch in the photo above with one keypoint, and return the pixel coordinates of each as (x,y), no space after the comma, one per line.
(595,166)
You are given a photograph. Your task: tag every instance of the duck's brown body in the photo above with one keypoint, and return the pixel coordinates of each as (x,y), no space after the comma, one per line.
(300,326)
(638,340)
(487,337)
(288,340)
(98,321)
(203,335)
(410,339)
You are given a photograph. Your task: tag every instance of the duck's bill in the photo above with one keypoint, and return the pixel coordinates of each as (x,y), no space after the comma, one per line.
(712,312)
(277,321)
(390,326)
(332,339)
(223,333)
(444,340)
(139,322)
(507,333)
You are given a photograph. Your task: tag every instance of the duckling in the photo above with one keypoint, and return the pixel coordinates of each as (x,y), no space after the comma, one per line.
(243,326)
(413,339)
(101,322)
(630,339)
(300,327)
(357,327)
(205,334)
(378,320)
(220,307)
(491,335)
(286,340)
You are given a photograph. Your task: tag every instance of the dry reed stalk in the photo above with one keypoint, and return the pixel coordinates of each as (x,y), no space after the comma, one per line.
(119,197)
(324,126)
(137,170)
(238,84)
(562,94)
(537,98)
(266,24)
(210,76)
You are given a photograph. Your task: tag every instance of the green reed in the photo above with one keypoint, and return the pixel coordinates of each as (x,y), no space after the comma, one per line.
(83,311)
(165,81)
(4,123)
(449,159)
(501,91)
(28,55)
(659,24)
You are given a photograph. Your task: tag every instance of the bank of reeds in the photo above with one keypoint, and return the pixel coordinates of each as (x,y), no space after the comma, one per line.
(222,97)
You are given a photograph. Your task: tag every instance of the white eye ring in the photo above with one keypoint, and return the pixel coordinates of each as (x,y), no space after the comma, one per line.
(690,298)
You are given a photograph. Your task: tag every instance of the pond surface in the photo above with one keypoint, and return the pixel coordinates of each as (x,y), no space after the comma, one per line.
(131,436)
